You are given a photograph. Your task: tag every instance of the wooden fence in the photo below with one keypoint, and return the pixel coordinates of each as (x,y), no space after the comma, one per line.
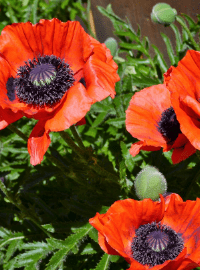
(138,12)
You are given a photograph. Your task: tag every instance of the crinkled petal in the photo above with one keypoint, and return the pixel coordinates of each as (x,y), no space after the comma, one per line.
(136,147)
(188,224)
(118,225)
(38,143)
(182,153)
(105,246)
(184,83)
(144,114)
(8,117)
(100,73)
(74,108)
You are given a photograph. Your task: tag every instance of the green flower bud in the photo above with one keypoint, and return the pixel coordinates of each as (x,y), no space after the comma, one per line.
(111,44)
(163,13)
(149,183)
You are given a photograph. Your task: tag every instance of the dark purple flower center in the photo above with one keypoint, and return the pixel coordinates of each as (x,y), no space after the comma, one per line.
(41,82)
(158,240)
(42,74)
(169,126)
(155,243)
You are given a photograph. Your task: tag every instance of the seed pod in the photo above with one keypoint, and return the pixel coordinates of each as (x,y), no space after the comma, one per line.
(162,13)
(111,44)
(149,183)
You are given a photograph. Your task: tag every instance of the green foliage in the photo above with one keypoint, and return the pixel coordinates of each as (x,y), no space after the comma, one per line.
(13,11)
(44,220)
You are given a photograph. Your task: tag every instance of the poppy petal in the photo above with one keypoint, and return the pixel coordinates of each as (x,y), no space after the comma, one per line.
(182,153)
(136,147)
(144,114)
(184,83)
(81,122)
(105,246)
(100,73)
(60,45)
(122,218)
(38,143)
(188,225)
(74,108)
(8,117)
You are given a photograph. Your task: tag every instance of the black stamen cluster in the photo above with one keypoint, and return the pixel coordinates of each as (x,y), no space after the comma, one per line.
(169,126)
(47,94)
(144,254)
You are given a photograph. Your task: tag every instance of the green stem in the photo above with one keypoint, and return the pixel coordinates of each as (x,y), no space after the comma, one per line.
(188,32)
(87,159)
(53,159)
(18,132)
(71,143)
(77,137)
(24,211)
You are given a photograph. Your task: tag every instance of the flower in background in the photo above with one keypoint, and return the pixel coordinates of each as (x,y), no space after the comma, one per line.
(184,84)
(52,72)
(151,119)
(150,237)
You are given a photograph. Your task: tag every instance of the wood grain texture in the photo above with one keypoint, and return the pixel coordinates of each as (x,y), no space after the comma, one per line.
(138,12)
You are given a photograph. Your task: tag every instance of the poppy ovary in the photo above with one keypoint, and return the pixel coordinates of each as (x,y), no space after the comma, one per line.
(150,183)
(42,74)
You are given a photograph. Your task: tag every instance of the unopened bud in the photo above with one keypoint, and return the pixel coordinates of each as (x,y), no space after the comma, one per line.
(162,13)
(111,44)
(149,183)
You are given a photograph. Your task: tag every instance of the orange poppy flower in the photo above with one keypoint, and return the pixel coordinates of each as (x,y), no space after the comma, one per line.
(53,72)
(150,237)
(184,84)
(151,119)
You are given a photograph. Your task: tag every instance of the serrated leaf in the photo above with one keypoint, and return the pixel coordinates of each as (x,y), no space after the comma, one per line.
(117,122)
(56,243)
(178,38)
(31,266)
(143,81)
(10,238)
(115,258)
(69,244)
(192,24)
(110,14)
(100,118)
(138,61)
(129,34)
(160,59)
(104,263)
(57,259)
(93,234)
(131,46)
(184,33)
(88,250)
(122,169)
(35,245)
(49,228)
(12,248)
(170,50)
(127,156)
(30,257)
